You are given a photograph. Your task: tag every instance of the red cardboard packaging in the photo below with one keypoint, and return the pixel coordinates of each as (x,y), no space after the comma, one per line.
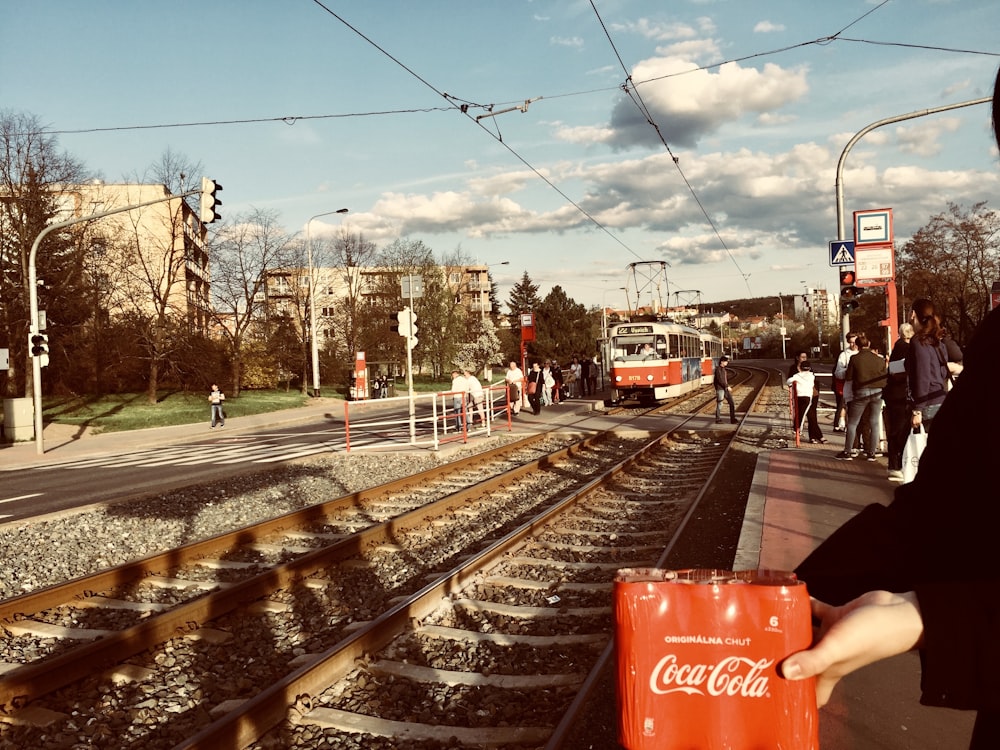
(698,655)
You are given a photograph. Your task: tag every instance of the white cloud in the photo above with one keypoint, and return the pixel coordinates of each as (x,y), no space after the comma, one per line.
(767,27)
(561,41)
(924,139)
(688,104)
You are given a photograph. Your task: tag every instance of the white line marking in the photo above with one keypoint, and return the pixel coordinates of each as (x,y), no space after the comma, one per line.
(21,497)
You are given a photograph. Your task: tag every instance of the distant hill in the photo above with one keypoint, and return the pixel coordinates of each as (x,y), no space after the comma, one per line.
(748,308)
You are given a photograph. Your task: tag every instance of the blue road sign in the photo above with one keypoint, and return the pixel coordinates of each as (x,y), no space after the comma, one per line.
(842,253)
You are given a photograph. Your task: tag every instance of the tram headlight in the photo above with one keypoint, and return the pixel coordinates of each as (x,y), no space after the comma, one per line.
(618,378)
(649,378)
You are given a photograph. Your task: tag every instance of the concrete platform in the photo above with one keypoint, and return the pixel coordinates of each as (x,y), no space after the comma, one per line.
(799,497)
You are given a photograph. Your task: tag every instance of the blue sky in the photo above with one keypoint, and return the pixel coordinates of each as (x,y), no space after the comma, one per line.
(756,135)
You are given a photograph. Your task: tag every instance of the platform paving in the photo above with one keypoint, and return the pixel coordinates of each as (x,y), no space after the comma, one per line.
(799,496)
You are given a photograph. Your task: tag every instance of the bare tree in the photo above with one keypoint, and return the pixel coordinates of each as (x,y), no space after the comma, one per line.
(153,260)
(243,252)
(32,175)
(345,257)
(954,260)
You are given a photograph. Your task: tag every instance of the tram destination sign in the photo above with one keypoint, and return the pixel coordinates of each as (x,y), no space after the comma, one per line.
(629,330)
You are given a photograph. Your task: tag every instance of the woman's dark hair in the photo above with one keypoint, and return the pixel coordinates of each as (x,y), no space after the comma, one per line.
(996,109)
(928,328)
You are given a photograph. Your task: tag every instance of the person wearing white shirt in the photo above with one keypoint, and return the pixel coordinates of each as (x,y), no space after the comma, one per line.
(476,395)
(804,381)
(841,388)
(514,379)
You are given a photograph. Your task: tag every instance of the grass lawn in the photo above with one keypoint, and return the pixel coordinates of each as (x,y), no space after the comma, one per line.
(131,411)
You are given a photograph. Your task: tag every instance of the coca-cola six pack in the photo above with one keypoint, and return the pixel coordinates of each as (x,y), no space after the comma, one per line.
(698,657)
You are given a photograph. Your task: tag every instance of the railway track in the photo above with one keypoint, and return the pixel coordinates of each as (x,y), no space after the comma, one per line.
(312,597)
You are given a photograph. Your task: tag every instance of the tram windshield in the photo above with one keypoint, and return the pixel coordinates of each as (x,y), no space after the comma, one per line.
(637,348)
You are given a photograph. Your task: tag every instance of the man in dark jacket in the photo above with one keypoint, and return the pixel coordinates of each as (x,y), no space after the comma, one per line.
(867,373)
(723,391)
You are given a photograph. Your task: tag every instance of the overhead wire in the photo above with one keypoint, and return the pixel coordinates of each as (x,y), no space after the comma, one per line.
(464,109)
(636,98)
(463,105)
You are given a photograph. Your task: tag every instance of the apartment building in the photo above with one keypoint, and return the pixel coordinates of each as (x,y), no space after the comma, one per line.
(287,290)
(144,258)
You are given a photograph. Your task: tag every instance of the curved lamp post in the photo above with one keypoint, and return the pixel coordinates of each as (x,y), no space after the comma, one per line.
(313,338)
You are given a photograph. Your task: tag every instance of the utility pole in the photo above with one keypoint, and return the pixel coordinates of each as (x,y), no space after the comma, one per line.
(35,329)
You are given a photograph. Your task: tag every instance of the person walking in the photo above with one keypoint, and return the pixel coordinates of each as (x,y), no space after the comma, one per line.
(896,406)
(515,382)
(217,399)
(927,373)
(804,382)
(592,375)
(586,367)
(557,381)
(866,372)
(801,363)
(723,391)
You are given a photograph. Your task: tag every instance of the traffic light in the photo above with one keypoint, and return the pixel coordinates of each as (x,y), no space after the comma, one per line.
(400,322)
(411,340)
(849,291)
(209,201)
(39,344)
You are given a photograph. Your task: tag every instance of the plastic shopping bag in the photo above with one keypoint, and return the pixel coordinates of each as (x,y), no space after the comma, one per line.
(915,444)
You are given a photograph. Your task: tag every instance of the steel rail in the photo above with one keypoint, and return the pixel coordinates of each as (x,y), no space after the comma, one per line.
(31,681)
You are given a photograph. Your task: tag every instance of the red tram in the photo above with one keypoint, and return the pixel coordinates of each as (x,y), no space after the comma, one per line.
(653,361)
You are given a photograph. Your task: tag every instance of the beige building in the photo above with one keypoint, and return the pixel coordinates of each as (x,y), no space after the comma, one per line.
(146,259)
(288,289)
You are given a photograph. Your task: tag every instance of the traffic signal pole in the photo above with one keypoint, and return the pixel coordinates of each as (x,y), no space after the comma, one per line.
(845,323)
(34,328)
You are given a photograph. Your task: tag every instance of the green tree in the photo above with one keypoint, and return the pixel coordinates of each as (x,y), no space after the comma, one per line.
(523,298)
(243,251)
(563,327)
(347,321)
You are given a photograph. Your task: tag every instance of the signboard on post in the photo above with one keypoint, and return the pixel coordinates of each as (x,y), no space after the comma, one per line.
(842,253)
(527,326)
(873,227)
(875,265)
(412,287)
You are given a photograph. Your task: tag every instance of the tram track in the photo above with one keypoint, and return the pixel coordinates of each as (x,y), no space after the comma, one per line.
(505,640)
(418,539)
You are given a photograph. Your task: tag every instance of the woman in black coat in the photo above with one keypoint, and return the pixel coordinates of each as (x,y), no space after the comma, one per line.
(927,561)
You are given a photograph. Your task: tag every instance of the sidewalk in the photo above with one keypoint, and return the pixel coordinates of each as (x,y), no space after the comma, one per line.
(68,442)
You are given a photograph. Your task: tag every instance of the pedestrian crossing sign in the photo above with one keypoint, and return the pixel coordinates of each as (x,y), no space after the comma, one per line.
(842,253)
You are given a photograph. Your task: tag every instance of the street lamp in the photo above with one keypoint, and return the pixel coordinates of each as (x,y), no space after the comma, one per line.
(781,304)
(313,338)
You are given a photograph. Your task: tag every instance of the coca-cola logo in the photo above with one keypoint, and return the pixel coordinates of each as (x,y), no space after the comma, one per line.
(733,675)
